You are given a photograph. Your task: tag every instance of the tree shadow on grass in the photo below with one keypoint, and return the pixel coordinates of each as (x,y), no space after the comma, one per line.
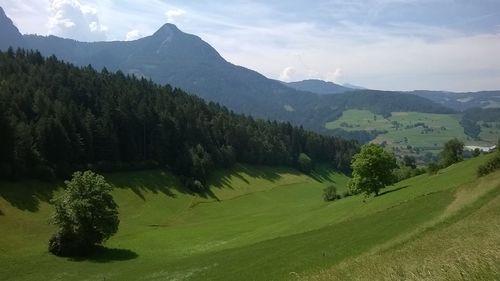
(392,190)
(222,178)
(103,254)
(154,181)
(26,195)
(323,174)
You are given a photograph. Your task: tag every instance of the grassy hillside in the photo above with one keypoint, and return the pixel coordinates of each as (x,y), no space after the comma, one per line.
(425,131)
(257,223)
(465,245)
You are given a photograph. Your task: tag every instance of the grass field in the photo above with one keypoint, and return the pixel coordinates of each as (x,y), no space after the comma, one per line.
(258,223)
(425,131)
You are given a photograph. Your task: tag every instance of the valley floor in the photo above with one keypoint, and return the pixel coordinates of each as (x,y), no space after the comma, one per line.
(260,223)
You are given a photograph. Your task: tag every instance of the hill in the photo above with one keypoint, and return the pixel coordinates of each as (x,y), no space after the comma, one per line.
(421,135)
(186,61)
(318,86)
(462,101)
(262,223)
(56,118)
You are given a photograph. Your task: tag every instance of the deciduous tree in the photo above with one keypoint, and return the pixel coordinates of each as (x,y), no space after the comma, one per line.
(372,169)
(86,215)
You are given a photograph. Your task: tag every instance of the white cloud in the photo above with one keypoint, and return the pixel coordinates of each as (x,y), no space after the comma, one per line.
(72,19)
(287,74)
(333,76)
(173,14)
(133,34)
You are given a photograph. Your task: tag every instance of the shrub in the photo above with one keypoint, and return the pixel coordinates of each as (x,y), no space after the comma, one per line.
(490,166)
(433,168)
(330,193)
(67,244)
(346,193)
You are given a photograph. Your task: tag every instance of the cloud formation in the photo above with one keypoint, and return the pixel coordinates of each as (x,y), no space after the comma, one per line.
(287,74)
(173,14)
(133,35)
(72,19)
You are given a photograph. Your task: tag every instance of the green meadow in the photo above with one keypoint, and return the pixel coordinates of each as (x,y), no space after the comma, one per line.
(256,223)
(425,131)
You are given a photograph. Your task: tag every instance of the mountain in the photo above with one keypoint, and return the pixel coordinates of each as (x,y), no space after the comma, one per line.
(186,61)
(318,86)
(355,87)
(462,101)
(9,34)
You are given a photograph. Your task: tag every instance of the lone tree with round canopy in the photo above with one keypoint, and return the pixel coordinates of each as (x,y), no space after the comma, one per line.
(372,170)
(86,215)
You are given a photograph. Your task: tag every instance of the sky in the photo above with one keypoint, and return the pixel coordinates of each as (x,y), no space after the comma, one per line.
(451,45)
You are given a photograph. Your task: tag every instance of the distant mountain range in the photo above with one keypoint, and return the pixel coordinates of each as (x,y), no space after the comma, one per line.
(319,87)
(170,56)
(462,101)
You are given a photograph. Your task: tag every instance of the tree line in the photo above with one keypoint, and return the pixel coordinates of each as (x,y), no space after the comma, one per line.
(56,118)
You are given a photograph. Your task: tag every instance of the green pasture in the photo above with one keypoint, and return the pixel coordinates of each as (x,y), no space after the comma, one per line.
(425,131)
(256,223)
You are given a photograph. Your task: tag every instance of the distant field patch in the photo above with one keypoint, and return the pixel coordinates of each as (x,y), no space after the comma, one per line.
(412,132)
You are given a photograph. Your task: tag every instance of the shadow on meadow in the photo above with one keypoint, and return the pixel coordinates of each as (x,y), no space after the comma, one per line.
(222,178)
(323,174)
(392,190)
(103,254)
(154,181)
(27,195)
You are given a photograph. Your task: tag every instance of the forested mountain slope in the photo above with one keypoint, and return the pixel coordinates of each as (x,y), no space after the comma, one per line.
(55,117)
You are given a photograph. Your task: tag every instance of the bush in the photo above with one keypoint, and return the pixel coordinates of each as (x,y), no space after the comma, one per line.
(346,193)
(68,244)
(476,152)
(433,168)
(330,193)
(452,152)
(490,166)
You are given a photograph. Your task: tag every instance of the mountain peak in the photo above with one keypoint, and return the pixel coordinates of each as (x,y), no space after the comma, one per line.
(167,30)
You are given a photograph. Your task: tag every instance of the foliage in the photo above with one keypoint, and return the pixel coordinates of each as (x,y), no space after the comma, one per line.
(304,163)
(471,117)
(85,214)
(330,193)
(491,165)
(433,168)
(452,152)
(56,118)
(405,172)
(476,152)
(372,169)
(410,161)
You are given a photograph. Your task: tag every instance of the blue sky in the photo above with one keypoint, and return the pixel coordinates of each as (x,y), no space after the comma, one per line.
(382,44)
